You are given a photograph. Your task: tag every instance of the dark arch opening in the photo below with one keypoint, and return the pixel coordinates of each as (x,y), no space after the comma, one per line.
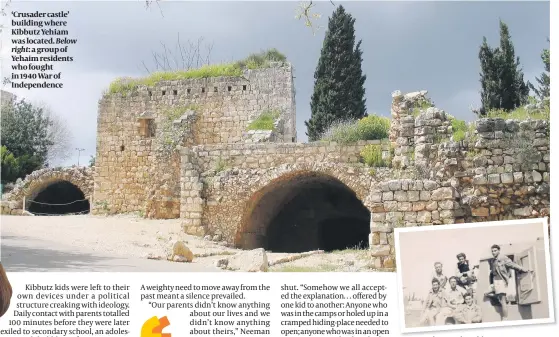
(305,211)
(61,197)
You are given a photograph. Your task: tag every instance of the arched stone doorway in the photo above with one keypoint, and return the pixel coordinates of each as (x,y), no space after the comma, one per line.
(57,198)
(55,191)
(302,211)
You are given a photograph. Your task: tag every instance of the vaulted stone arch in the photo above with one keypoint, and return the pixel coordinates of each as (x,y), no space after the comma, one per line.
(307,206)
(55,186)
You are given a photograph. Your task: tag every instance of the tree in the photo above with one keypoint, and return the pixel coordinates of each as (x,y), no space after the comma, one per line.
(339,92)
(489,77)
(543,91)
(501,77)
(10,166)
(60,137)
(304,12)
(25,134)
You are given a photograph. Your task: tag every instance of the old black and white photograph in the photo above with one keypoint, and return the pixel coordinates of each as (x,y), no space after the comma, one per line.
(474,275)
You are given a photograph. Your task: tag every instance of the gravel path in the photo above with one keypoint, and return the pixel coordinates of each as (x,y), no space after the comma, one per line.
(123,243)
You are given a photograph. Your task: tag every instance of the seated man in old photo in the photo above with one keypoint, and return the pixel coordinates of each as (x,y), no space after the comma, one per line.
(455,298)
(436,300)
(469,312)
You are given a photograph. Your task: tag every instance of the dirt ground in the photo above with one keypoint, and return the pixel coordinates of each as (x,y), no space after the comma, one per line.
(130,237)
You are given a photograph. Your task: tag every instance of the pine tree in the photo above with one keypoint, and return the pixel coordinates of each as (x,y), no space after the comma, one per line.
(543,91)
(488,77)
(339,92)
(502,78)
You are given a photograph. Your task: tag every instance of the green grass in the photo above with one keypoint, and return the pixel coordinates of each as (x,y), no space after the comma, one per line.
(471,153)
(372,156)
(420,106)
(265,121)
(520,114)
(361,253)
(262,59)
(233,69)
(220,165)
(459,129)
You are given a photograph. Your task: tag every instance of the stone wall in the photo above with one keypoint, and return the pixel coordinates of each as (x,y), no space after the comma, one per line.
(504,170)
(182,149)
(6,97)
(228,175)
(37,181)
(405,203)
(139,131)
(498,170)
(259,156)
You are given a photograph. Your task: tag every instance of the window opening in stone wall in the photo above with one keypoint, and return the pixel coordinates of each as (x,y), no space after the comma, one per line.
(149,93)
(293,139)
(215,89)
(188,91)
(163,92)
(244,87)
(122,148)
(203,89)
(147,127)
(174,92)
(229,88)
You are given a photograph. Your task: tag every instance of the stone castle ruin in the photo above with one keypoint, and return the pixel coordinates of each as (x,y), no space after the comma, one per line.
(195,149)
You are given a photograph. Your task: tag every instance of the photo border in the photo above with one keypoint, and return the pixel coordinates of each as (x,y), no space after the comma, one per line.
(402,313)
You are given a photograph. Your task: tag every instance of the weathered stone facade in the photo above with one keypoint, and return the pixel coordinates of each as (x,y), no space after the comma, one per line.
(230,184)
(184,150)
(138,167)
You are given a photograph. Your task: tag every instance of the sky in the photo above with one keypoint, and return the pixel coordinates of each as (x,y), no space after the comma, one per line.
(407,46)
(417,262)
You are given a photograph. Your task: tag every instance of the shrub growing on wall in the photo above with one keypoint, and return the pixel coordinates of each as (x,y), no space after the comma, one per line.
(265,121)
(374,127)
(372,156)
(368,128)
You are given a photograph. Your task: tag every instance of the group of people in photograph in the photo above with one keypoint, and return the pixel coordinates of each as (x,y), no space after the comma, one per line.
(452,300)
